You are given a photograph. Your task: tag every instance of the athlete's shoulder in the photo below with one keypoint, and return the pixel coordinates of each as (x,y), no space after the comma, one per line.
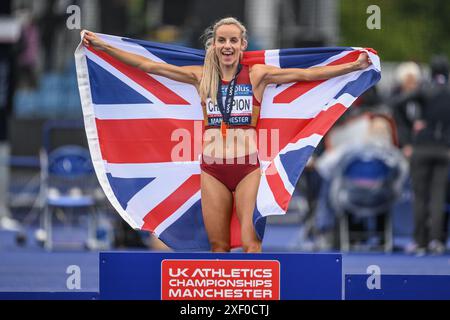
(258,72)
(255,68)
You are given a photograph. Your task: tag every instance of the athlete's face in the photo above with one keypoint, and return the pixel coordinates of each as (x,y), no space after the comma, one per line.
(228,44)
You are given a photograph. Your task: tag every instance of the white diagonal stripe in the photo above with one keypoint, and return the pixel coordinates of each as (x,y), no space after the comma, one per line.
(149,170)
(283,175)
(152,194)
(147,111)
(308,105)
(115,72)
(265,201)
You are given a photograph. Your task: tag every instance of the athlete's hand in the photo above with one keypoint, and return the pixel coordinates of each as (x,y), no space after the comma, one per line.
(363,61)
(90,39)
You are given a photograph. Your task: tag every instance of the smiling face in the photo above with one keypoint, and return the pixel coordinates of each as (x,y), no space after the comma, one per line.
(228,45)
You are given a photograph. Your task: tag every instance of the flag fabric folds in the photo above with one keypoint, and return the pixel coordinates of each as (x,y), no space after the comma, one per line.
(145,132)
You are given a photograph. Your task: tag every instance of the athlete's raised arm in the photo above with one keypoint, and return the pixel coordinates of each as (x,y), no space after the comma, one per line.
(187,74)
(264,74)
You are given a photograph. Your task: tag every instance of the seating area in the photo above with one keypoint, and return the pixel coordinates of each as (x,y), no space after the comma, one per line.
(52,183)
(54,91)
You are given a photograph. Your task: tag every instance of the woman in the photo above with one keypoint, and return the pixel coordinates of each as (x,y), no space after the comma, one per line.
(229,157)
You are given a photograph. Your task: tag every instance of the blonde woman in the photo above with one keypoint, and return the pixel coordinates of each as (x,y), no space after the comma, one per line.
(231,98)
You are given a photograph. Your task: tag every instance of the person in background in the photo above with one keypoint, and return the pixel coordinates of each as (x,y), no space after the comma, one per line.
(430,158)
(408,77)
(28,51)
(368,133)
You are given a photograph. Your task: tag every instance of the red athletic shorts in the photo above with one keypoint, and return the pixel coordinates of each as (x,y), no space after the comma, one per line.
(230,171)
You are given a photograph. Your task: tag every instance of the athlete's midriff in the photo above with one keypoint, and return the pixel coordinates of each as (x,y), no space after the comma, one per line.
(238,142)
(240,139)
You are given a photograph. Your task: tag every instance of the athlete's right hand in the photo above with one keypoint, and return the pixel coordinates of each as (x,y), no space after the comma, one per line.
(90,39)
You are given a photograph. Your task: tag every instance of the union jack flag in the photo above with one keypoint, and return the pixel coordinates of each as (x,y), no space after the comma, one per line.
(131,117)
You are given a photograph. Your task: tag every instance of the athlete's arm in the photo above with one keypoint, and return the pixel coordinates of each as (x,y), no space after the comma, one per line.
(187,74)
(264,74)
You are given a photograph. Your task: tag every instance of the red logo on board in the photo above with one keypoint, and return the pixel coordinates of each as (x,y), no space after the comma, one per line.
(220,280)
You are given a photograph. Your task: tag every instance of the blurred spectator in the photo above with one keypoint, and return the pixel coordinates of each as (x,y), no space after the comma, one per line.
(28,50)
(408,77)
(7,88)
(430,158)
(374,133)
(50,24)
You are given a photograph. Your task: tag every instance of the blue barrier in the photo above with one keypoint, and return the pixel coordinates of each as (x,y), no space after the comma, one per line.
(398,287)
(143,275)
(147,275)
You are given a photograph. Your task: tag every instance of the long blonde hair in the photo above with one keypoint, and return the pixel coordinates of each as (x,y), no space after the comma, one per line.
(211,68)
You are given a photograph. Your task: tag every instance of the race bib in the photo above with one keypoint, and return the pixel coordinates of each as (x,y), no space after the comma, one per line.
(241,110)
